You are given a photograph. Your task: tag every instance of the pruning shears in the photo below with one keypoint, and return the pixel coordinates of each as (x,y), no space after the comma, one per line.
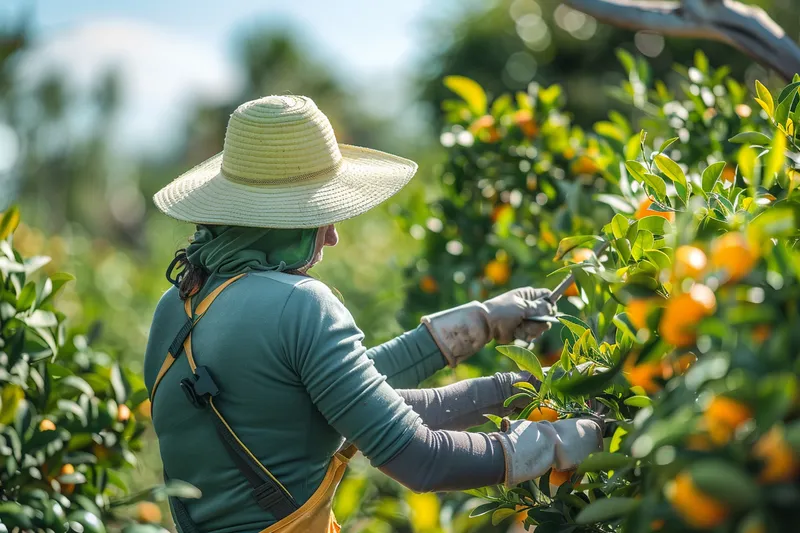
(561,288)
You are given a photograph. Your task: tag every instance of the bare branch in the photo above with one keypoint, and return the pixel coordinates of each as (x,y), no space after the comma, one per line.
(747,28)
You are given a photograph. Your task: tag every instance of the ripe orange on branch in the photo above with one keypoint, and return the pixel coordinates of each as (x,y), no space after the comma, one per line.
(780,462)
(558,477)
(543,413)
(47,425)
(148,512)
(525,121)
(497,271)
(733,254)
(638,310)
(696,508)
(690,262)
(723,416)
(428,285)
(682,314)
(645,211)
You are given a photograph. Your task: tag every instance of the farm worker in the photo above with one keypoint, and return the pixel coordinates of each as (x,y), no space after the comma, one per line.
(261,388)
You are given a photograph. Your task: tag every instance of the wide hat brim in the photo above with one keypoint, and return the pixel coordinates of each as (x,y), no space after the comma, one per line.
(361,180)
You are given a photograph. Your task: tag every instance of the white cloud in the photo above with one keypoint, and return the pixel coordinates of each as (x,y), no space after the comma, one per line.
(163,73)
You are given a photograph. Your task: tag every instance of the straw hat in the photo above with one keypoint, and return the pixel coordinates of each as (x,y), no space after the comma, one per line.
(281,167)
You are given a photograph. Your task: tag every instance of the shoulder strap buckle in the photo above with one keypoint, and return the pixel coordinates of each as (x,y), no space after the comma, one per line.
(200,387)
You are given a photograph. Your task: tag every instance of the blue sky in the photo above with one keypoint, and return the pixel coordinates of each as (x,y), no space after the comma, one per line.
(170,50)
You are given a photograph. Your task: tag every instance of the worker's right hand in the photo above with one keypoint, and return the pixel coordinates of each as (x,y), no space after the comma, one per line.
(532,448)
(462,331)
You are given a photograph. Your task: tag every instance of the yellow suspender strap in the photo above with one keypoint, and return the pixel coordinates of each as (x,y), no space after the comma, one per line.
(201,310)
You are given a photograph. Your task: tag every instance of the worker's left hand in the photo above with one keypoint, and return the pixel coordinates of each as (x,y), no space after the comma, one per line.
(462,331)
(507,314)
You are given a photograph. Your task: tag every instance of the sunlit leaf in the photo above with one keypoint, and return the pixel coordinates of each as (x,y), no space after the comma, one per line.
(525,359)
(765,99)
(469,91)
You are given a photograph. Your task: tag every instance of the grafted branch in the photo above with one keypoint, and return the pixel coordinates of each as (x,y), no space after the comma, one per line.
(747,28)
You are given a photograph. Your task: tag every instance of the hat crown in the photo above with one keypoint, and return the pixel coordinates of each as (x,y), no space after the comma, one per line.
(277,139)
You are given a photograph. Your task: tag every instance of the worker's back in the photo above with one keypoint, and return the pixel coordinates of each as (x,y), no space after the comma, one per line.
(241,340)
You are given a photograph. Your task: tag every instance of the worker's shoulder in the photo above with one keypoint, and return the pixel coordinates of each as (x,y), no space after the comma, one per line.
(300,288)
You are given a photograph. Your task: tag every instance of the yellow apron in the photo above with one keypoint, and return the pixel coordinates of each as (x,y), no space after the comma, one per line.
(315,515)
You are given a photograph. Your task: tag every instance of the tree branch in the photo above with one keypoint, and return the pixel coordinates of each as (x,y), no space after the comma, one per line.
(747,28)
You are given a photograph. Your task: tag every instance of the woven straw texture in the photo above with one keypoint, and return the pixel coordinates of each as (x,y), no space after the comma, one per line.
(281,167)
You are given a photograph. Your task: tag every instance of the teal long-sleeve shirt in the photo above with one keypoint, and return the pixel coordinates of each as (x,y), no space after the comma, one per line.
(295,381)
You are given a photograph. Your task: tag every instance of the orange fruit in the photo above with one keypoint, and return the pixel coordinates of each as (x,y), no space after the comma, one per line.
(643,375)
(428,284)
(645,211)
(100,451)
(497,271)
(485,129)
(581,254)
(47,425)
(729,174)
(657,524)
(148,512)
(572,290)
(584,165)
(696,508)
(639,308)
(732,254)
(67,488)
(525,121)
(683,313)
(677,367)
(690,262)
(144,409)
(761,333)
(543,413)
(500,211)
(743,110)
(780,462)
(723,416)
(123,413)
(699,442)
(558,477)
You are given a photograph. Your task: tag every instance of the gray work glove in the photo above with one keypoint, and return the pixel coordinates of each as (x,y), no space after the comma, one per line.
(462,331)
(532,448)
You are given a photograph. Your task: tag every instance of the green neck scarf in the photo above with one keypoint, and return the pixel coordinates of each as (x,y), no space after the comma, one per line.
(230,250)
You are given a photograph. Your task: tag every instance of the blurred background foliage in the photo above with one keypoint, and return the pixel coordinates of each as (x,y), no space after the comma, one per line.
(88,206)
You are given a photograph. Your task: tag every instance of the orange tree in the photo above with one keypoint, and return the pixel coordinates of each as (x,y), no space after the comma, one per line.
(71,419)
(684,330)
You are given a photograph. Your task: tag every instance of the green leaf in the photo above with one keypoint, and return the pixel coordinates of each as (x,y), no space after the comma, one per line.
(26,297)
(59,279)
(525,359)
(747,160)
(627,60)
(606,509)
(570,243)
(666,144)
(469,91)
(575,324)
(655,224)
(765,99)
(501,514)
(726,482)
(786,100)
(671,169)
(483,509)
(775,222)
(775,161)
(119,383)
(712,174)
(77,383)
(638,401)
(578,384)
(604,461)
(615,201)
(656,184)
(550,95)
(750,137)
(619,226)
(9,222)
(636,170)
